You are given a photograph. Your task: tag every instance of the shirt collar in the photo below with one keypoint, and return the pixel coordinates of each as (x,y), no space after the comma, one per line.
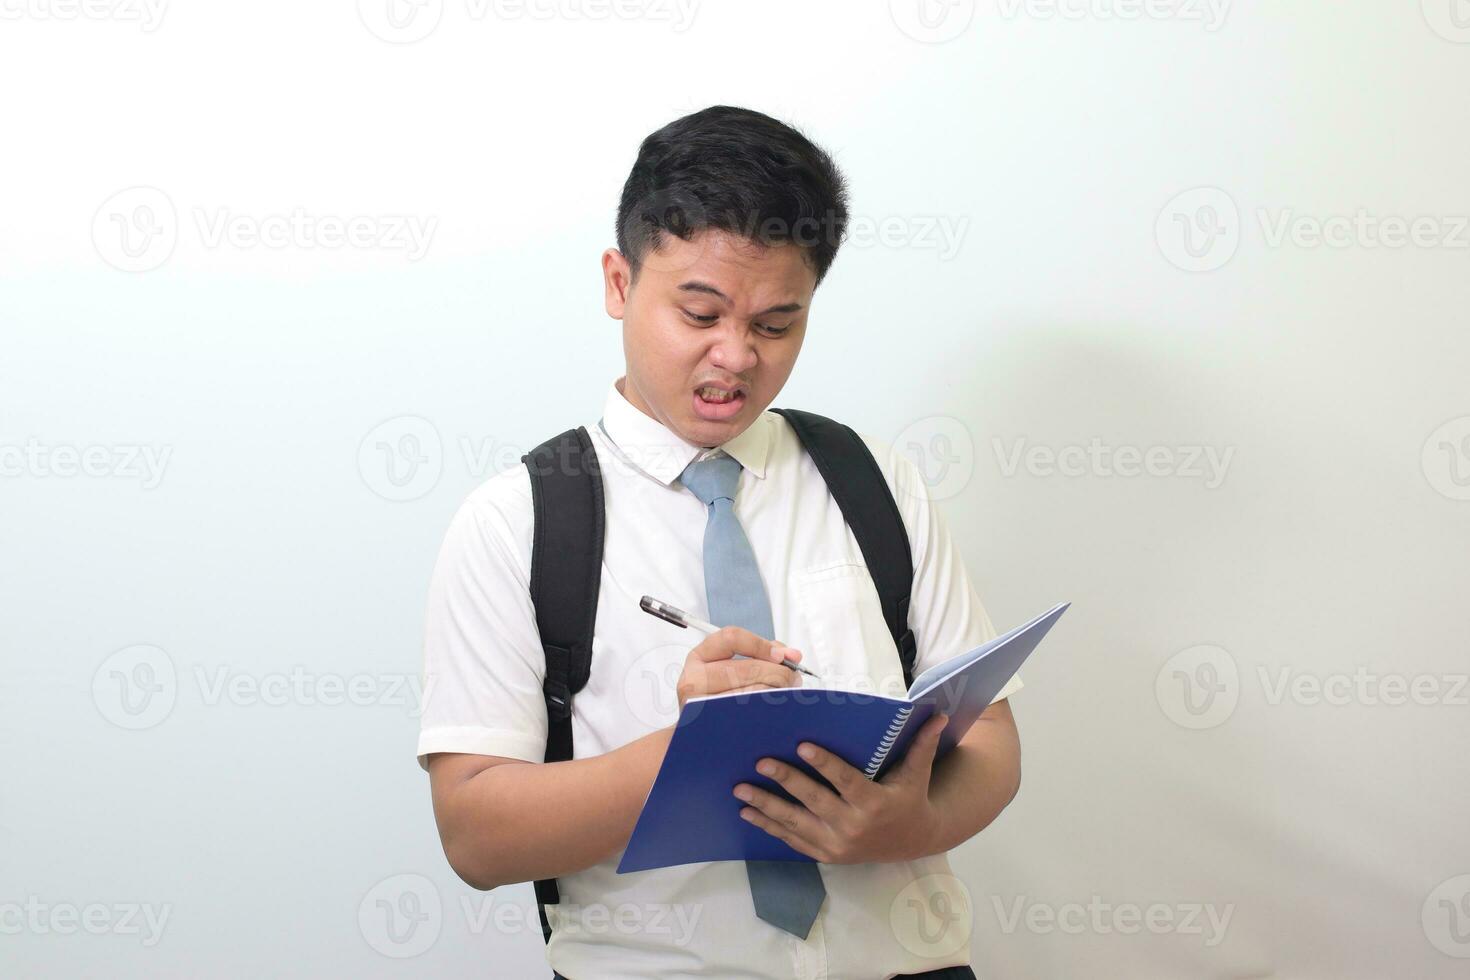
(657,451)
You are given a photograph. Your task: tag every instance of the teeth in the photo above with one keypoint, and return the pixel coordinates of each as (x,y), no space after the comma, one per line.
(716,395)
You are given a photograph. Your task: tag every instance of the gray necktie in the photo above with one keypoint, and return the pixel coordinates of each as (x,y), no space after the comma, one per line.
(787,894)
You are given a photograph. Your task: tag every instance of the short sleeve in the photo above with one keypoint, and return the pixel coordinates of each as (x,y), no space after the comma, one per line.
(945,612)
(483,662)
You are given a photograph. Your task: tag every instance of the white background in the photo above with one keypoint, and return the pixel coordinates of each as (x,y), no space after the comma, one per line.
(1114,178)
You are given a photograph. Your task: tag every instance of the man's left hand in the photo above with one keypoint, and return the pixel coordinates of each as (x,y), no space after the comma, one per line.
(864,820)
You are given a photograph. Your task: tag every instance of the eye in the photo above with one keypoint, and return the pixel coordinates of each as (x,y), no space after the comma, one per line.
(773,331)
(700,319)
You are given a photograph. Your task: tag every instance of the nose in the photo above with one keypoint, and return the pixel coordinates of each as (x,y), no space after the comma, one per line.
(733,349)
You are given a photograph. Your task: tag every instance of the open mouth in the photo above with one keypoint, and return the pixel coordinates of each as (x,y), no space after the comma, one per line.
(715,403)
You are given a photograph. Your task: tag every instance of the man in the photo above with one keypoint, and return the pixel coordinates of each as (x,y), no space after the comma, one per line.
(727,224)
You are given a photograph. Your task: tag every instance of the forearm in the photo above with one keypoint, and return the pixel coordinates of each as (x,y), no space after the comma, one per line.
(977,780)
(522,821)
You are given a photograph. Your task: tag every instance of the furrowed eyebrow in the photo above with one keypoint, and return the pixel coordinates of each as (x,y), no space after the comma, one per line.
(695,286)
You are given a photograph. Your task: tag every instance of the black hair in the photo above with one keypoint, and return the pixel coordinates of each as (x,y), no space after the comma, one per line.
(737,170)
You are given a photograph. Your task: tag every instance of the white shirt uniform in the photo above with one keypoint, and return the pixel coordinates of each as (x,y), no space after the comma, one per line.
(485,665)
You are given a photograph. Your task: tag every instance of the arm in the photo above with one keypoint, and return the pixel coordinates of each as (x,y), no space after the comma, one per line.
(504,820)
(971,785)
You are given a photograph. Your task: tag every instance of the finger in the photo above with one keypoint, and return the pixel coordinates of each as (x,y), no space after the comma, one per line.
(749,688)
(794,817)
(781,832)
(849,782)
(919,762)
(730,640)
(737,673)
(720,676)
(820,800)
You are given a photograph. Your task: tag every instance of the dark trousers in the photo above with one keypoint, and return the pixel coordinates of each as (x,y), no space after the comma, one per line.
(948,973)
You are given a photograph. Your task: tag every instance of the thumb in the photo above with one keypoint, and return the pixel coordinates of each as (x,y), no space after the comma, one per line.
(920,758)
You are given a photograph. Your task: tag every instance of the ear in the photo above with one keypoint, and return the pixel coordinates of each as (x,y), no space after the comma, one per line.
(617,281)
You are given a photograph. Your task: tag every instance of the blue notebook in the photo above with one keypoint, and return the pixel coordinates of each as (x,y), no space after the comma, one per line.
(691,815)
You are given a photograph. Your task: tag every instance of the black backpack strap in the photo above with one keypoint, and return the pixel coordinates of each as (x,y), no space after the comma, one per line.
(857,484)
(566,575)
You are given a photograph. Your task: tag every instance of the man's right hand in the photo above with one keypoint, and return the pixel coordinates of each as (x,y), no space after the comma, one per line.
(709,668)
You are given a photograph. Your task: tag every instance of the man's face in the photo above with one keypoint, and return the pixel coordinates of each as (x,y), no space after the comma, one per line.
(718,310)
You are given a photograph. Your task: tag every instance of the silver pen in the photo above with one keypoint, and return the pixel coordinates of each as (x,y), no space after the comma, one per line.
(681,619)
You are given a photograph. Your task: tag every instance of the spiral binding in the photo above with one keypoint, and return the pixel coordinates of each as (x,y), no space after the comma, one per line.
(886,745)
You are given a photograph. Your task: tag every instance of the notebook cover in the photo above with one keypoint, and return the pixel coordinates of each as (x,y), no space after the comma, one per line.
(691,814)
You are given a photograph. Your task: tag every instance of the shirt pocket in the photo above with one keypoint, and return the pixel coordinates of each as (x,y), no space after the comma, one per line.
(850,644)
